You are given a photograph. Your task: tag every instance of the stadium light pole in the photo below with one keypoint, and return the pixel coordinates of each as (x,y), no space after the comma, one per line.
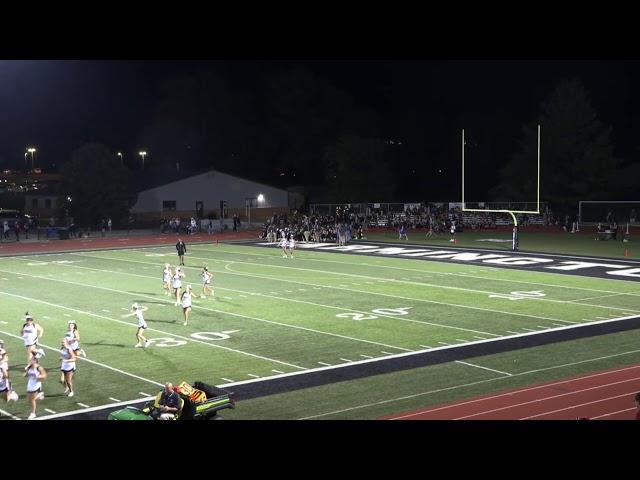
(142,154)
(31,150)
(26,162)
(121,158)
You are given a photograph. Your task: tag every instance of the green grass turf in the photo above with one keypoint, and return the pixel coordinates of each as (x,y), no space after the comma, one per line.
(271,315)
(556,242)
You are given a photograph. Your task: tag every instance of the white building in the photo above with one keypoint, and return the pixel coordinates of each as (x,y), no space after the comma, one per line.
(203,193)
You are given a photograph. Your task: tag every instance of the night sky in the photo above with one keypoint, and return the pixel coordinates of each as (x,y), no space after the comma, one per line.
(57,105)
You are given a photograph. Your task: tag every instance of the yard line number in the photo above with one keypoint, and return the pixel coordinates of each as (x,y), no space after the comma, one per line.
(377,312)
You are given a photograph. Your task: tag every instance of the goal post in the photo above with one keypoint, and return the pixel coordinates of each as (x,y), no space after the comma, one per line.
(510,212)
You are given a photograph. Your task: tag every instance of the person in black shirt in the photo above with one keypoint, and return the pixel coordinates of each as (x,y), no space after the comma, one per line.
(182,249)
(167,405)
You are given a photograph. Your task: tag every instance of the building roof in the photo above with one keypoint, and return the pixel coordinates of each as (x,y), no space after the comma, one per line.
(155,179)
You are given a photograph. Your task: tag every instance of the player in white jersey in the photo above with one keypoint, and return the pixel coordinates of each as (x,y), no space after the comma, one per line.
(31,332)
(166,279)
(283,245)
(67,366)
(142,325)
(177,284)
(73,337)
(4,356)
(35,374)
(186,304)
(207,281)
(291,244)
(5,381)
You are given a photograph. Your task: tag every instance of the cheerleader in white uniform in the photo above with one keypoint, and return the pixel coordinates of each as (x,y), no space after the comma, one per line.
(31,332)
(67,366)
(186,304)
(35,374)
(207,280)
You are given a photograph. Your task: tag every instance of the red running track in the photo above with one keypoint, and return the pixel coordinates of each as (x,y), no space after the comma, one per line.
(606,395)
(51,246)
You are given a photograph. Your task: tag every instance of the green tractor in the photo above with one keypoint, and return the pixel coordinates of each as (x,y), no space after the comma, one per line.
(200,403)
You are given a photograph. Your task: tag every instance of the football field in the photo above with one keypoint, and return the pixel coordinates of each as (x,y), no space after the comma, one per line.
(271,317)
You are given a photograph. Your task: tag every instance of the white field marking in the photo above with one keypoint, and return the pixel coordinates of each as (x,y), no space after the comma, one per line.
(630,394)
(145,394)
(93,409)
(447,273)
(479,338)
(542,326)
(252,375)
(538,400)
(529,329)
(48,318)
(515,333)
(484,368)
(323,363)
(459,340)
(366,356)
(4,278)
(83,405)
(366,292)
(559,324)
(346,360)
(84,359)
(173,335)
(49,410)
(289,291)
(427,346)
(594,298)
(347,309)
(236,315)
(444,343)
(614,413)
(7,414)
(106,311)
(386,353)
(227,380)
(277,371)
(114,399)
(479,382)
(448,287)
(228,298)
(3,322)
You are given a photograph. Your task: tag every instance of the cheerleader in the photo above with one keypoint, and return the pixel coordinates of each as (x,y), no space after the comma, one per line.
(177,284)
(166,279)
(186,304)
(67,366)
(291,244)
(142,325)
(283,245)
(207,279)
(31,332)
(73,338)
(35,374)
(5,382)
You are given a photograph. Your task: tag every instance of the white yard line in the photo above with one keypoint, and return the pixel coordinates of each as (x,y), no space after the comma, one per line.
(49,410)
(145,394)
(484,368)
(228,313)
(83,405)
(479,382)
(93,409)
(10,415)
(114,399)
(190,339)
(89,360)
(323,363)
(455,274)
(346,360)
(227,380)
(252,375)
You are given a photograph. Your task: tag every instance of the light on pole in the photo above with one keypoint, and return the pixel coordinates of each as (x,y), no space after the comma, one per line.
(31,150)
(249,201)
(142,154)
(26,162)
(121,157)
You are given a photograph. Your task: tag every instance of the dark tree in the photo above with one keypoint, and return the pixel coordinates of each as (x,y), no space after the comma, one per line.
(577,159)
(99,186)
(357,170)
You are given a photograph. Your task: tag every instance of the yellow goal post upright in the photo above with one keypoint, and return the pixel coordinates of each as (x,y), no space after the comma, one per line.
(510,212)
